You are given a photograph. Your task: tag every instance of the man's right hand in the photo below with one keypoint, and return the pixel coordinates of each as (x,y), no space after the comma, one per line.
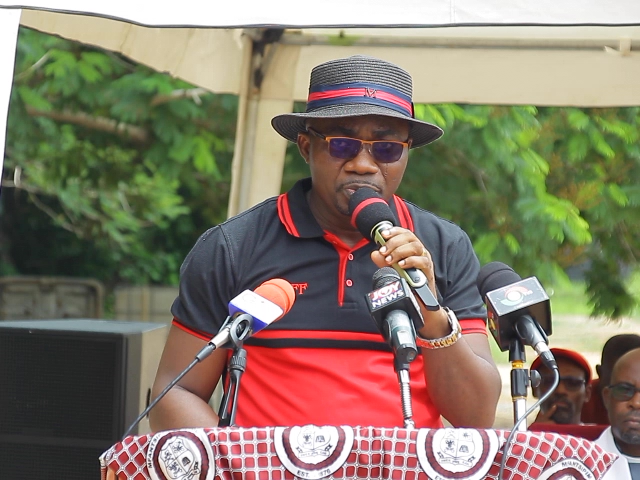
(545,414)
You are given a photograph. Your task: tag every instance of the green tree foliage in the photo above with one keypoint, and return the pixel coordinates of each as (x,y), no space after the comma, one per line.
(113,170)
(118,160)
(540,189)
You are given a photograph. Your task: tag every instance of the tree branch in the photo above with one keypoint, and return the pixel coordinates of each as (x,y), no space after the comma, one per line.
(104,124)
(66,225)
(194,93)
(32,68)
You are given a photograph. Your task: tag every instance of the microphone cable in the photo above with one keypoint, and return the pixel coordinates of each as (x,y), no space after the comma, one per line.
(240,322)
(503,462)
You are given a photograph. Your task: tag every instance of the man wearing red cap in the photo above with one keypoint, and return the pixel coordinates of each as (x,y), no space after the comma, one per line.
(564,406)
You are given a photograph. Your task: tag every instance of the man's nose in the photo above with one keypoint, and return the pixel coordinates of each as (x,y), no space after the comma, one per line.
(561,388)
(363,162)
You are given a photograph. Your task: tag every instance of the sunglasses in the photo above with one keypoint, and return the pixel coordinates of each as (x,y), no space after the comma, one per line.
(573,384)
(622,392)
(347,148)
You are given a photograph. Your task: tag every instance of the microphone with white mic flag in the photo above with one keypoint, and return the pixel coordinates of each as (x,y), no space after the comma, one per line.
(249,312)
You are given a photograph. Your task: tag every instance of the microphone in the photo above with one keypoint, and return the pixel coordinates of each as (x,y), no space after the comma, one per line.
(395,311)
(251,311)
(371,215)
(516,308)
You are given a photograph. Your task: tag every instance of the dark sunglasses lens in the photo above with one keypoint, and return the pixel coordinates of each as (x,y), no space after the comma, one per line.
(387,152)
(344,148)
(546,382)
(572,383)
(622,393)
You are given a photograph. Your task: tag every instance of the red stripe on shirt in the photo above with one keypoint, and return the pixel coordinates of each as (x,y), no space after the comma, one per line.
(196,333)
(473,325)
(284,213)
(406,221)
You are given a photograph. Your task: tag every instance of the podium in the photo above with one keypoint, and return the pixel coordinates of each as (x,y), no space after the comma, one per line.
(345,452)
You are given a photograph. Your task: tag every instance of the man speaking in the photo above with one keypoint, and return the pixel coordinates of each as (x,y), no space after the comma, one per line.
(325,362)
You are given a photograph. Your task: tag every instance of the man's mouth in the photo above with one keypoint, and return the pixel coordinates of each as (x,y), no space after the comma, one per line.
(633,421)
(351,188)
(562,405)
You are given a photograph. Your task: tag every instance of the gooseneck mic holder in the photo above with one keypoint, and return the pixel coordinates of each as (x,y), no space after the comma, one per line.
(239,328)
(236,367)
(519,381)
(401,366)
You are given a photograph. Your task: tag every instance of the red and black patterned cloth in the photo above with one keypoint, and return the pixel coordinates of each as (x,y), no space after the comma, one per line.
(315,452)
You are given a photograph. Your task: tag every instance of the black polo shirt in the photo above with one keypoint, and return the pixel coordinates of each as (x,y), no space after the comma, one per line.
(324,362)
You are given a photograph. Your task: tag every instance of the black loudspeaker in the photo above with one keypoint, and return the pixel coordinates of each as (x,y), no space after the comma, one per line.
(69,389)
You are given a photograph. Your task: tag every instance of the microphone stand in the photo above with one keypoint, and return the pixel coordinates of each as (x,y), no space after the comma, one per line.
(519,381)
(401,366)
(236,367)
(241,322)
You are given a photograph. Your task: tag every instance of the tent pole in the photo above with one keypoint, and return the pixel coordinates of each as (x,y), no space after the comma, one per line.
(259,152)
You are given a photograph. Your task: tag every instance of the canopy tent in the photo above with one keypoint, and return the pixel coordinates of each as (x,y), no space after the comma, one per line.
(552,52)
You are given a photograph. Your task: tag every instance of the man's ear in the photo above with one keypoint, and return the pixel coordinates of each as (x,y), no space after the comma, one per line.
(304,145)
(588,389)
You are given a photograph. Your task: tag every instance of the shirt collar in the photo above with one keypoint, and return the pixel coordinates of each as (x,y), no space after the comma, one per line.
(295,213)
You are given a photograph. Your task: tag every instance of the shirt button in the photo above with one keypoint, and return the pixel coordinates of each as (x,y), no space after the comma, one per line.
(350,257)
(349,283)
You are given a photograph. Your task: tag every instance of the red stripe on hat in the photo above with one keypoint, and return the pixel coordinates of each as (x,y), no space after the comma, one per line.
(361,92)
(362,205)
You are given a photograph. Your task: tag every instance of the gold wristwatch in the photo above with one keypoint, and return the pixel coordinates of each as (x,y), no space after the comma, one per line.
(443,342)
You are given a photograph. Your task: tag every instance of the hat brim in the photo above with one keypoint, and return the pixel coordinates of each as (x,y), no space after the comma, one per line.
(289,125)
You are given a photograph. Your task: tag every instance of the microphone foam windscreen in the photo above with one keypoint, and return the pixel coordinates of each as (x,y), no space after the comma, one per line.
(278,291)
(495,275)
(384,276)
(368,209)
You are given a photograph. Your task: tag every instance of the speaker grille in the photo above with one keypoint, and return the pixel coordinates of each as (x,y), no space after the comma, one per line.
(59,385)
(20,462)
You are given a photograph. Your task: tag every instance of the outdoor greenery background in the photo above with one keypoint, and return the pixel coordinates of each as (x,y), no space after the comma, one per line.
(113,170)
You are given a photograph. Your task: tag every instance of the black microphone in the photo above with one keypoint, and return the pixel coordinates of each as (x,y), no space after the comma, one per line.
(395,311)
(371,215)
(516,308)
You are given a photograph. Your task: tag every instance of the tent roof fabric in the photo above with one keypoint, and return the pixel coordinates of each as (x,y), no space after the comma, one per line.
(243,13)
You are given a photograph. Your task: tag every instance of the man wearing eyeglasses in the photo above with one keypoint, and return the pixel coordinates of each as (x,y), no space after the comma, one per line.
(564,406)
(622,401)
(325,362)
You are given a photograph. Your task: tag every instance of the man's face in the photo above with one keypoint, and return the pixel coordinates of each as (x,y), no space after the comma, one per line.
(624,411)
(570,395)
(335,179)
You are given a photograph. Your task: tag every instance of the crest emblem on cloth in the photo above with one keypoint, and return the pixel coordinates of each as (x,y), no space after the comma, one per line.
(180,455)
(370,92)
(456,453)
(311,451)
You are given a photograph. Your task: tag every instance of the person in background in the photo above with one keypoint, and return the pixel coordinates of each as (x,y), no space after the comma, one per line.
(564,406)
(594,411)
(622,402)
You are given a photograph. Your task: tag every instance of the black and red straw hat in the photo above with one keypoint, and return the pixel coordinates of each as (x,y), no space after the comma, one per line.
(356,86)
